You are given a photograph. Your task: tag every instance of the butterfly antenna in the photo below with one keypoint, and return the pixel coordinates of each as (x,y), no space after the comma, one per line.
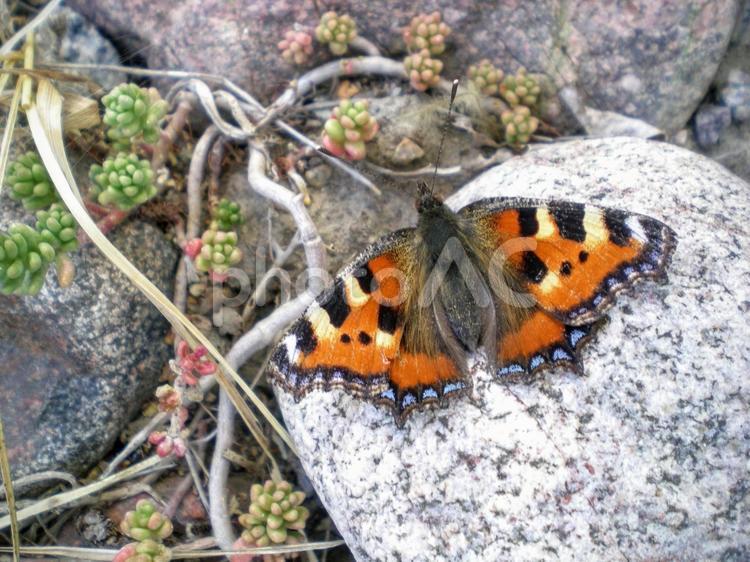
(454,89)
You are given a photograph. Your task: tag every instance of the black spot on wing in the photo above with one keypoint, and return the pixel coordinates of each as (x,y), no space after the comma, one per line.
(619,232)
(569,220)
(566,268)
(527,222)
(583,255)
(533,267)
(387,319)
(306,340)
(335,305)
(364,338)
(345,338)
(365,279)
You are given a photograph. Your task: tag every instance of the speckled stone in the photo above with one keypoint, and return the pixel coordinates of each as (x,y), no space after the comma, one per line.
(644,458)
(78,363)
(646,59)
(66,36)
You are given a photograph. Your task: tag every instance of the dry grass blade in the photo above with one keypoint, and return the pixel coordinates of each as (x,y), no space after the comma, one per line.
(46,128)
(8,484)
(10,125)
(73,553)
(60,500)
(11,43)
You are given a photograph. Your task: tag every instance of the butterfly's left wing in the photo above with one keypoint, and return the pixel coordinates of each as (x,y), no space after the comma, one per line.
(358,336)
(572,259)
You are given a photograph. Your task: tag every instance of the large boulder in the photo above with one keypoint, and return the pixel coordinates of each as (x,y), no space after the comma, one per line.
(647,59)
(645,457)
(78,362)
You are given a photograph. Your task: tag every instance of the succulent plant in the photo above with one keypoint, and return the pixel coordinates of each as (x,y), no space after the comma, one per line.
(124,180)
(169,398)
(337,31)
(348,129)
(144,551)
(194,364)
(296,47)
(276,515)
(24,260)
(227,215)
(30,183)
(427,31)
(520,89)
(58,228)
(218,253)
(166,444)
(519,125)
(146,523)
(423,71)
(486,77)
(133,113)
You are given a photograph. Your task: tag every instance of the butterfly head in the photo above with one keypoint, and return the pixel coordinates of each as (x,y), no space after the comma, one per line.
(426,200)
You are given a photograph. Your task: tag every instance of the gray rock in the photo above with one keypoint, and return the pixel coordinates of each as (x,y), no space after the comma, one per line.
(736,95)
(710,122)
(77,363)
(645,457)
(645,59)
(66,36)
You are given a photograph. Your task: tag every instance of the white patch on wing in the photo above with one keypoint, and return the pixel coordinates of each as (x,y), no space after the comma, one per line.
(321,323)
(384,340)
(596,230)
(290,343)
(549,283)
(635,226)
(546,223)
(355,296)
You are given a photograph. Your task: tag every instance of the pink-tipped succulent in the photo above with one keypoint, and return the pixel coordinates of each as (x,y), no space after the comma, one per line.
(149,527)
(167,445)
(168,397)
(486,77)
(520,89)
(218,253)
(192,248)
(423,70)
(144,551)
(348,129)
(519,125)
(337,31)
(296,47)
(145,522)
(427,31)
(193,364)
(276,516)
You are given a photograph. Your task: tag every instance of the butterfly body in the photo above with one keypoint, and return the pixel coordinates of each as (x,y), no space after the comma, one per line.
(521,283)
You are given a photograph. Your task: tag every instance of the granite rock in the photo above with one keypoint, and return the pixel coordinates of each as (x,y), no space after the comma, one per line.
(66,36)
(645,457)
(646,59)
(78,362)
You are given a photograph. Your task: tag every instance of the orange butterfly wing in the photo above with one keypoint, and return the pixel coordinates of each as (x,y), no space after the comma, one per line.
(351,338)
(572,259)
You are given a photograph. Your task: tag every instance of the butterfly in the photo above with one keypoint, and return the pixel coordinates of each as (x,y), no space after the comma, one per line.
(524,282)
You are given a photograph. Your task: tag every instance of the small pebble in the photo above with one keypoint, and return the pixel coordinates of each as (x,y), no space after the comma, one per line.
(318,176)
(736,95)
(710,121)
(406,152)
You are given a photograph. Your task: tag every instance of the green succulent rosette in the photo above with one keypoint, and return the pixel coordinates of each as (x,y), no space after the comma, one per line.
(30,183)
(24,260)
(124,181)
(133,113)
(57,228)
(276,515)
(337,31)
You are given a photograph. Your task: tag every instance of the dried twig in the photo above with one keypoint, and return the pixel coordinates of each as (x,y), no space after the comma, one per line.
(261,335)
(373,66)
